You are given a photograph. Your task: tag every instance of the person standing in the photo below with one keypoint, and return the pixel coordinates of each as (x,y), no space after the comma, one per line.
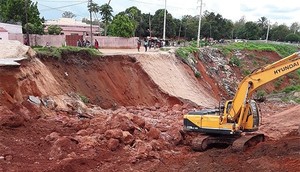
(96,44)
(139,45)
(145,44)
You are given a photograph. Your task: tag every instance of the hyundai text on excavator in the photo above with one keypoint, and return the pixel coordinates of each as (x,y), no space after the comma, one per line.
(234,122)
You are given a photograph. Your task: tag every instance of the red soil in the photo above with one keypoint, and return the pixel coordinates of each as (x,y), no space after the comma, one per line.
(140,130)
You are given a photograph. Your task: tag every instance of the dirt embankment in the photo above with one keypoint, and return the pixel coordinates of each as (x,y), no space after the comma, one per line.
(132,123)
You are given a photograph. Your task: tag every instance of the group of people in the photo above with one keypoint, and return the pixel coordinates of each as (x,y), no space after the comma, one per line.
(148,43)
(86,43)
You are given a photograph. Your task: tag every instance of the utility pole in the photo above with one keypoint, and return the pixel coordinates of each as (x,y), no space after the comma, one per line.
(268,31)
(26,16)
(90,5)
(199,26)
(165,15)
(150,25)
(179,29)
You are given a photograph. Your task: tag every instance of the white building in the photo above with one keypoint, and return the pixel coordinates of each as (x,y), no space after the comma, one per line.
(3,34)
(6,29)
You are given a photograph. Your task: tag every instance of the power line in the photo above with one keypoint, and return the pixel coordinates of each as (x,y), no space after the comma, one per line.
(57,8)
(61,1)
(161,5)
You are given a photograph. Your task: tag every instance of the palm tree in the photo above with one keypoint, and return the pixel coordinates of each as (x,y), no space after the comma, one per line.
(106,12)
(93,7)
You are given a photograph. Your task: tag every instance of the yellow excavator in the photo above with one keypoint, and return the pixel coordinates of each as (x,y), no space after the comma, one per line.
(235,122)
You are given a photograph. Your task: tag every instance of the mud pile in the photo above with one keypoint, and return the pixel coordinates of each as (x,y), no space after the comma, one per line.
(122,113)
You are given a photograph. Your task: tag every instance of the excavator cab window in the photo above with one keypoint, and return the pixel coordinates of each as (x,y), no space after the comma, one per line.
(228,107)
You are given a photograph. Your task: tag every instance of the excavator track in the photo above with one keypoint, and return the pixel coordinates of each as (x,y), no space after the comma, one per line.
(204,142)
(246,141)
(237,142)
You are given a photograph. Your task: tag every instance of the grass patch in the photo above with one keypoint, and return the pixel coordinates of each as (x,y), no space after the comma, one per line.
(291,88)
(234,60)
(84,99)
(57,52)
(184,52)
(282,49)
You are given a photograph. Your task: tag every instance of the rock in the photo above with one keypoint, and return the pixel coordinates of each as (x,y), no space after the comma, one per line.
(114,133)
(87,142)
(62,147)
(52,137)
(297,94)
(113,144)
(49,103)
(34,100)
(10,119)
(126,124)
(153,133)
(127,138)
(175,136)
(156,145)
(85,132)
(138,121)
(120,121)
(177,107)
(8,157)
(142,148)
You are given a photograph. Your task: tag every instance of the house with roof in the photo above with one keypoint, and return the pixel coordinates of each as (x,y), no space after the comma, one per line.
(72,27)
(3,34)
(7,30)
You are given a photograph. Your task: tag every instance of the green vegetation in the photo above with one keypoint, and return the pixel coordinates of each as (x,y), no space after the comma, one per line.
(184,52)
(84,99)
(235,61)
(292,37)
(278,82)
(246,72)
(58,52)
(54,30)
(122,26)
(255,64)
(13,11)
(291,88)
(282,49)
(197,74)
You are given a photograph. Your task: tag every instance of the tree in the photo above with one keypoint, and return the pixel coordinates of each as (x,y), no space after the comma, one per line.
(238,27)
(278,33)
(122,26)
(68,14)
(295,27)
(106,12)
(135,14)
(13,11)
(158,24)
(189,27)
(292,38)
(214,25)
(250,31)
(263,27)
(54,30)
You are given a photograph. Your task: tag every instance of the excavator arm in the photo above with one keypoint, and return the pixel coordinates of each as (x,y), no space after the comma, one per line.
(226,125)
(240,103)
(240,113)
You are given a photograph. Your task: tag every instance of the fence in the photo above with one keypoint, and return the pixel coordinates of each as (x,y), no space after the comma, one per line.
(60,40)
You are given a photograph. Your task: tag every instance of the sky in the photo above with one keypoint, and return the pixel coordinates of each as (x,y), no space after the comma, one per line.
(280,11)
